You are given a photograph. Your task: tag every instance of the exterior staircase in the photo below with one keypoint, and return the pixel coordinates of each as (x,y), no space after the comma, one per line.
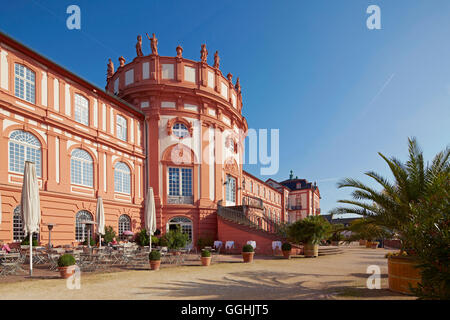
(329,250)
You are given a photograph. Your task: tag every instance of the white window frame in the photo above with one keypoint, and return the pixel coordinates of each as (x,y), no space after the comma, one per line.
(230,194)
(31,145)
(24,83)
(121,127)
(180,181)
(81,109)
(180,130)
(84,175)
(121,169)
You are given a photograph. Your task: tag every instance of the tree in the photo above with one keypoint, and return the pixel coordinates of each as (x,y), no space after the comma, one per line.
(392,206)
(310,230)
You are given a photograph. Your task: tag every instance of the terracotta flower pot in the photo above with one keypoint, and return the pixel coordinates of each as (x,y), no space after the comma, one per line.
(287,254)
(248,256)
(154,264)
(206,261)
(402,273)
(362,242)
(368,244)
(311,250)
(66,272)
(374,244)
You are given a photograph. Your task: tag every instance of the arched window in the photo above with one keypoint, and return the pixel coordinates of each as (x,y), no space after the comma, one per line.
(81,110)
(184,223)
(81,229)
(18,233)
(23,146)
(24,83)
(231,189)
(121,123)
(124,225)
(180,130)
(81,168)
(122,178)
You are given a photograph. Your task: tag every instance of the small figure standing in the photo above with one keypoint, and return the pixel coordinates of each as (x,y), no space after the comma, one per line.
(230,78)
(238,86)
(216,60)
(179,52)
(110,70)
(122,61)
(203,53)
(153,43)
(139,52)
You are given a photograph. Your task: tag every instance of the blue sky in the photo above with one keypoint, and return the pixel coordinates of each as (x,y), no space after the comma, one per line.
(338,92)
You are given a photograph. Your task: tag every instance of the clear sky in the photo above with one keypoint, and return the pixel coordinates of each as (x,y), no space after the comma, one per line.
(337,91)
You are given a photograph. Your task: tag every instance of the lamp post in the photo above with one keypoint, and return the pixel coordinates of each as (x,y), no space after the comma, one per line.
(50,228)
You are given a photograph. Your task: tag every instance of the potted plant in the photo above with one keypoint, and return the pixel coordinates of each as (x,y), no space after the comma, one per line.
(206,257)
(286,248)
(65,263)
(248,253)
(415,207)
(176,239)
(309,231)
(155,259)
(336,235)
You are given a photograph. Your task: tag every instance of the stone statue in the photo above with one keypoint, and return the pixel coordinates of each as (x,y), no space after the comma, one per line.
(122,61)
(216,60)
(179,52)
(110,70)
(153,44)
(230,77)
(203,53)
(238,86)
(139,46)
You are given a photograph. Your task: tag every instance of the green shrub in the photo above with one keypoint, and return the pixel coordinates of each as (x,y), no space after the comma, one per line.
(176,239)
(155,241)
(247,248)
(205,242)
(26,241)
(66,260)
(109,234)
(310,230)
(206,253)
(142,238)
(92,242)
(154,255)
(286,246)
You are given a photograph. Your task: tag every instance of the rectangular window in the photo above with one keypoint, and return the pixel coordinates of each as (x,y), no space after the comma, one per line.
(231,189)
(24,83)
(180,185)
(189,74)
(81,110)
(167,71)
(121,124)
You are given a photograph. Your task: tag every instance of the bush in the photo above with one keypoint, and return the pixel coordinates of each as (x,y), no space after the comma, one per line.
(286,246)
(109,234)
(154,255)
(205,242)
(142,238)
(163,242)
(155,241)
(66,260)
(26,241)
(206,253)
(92,242)
(310,230)
(176,239)
(247,248)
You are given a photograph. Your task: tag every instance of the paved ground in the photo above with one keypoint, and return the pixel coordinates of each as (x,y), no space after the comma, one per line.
(340,276)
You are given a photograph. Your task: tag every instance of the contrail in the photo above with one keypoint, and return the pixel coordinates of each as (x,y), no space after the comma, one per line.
(381,90)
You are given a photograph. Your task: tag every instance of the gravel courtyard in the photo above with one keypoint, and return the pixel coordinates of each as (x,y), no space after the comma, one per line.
(341,276)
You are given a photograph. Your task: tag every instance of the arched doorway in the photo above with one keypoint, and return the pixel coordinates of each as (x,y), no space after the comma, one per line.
(185,224)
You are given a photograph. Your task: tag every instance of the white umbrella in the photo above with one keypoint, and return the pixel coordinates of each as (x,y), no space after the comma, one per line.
(150,214)
(30,205)
(100,215)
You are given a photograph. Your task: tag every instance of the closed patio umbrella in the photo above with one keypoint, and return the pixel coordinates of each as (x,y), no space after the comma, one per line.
(150,214)
(30,205)
(100,216)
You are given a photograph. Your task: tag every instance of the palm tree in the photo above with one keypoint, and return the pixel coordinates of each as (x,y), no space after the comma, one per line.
(391,207)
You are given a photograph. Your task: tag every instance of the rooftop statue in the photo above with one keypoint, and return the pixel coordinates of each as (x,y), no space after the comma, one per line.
(238,86)
(122,61)
(110,69)
(179,52)
(204,53)
(139,46)
(153,44)
(230,77)
(216,60)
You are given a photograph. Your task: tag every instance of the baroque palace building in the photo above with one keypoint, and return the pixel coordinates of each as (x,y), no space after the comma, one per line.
(169,123)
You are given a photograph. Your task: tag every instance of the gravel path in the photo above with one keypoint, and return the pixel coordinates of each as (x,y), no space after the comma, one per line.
(340,276)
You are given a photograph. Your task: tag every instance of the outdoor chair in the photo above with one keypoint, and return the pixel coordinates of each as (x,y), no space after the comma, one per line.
(12,264)
(229,246)
(52,260)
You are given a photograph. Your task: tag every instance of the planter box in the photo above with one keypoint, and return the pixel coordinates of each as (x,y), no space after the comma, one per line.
(248,256)
(287,254)
(311,250)
(155,264)
(402,273)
